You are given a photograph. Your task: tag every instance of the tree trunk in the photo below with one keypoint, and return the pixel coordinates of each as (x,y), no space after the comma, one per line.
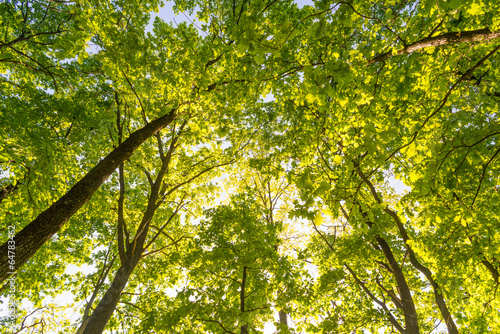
(130,252)
(243,328)
(409,311)
(283,320)
(39,231)
(450,324)
(104,310)
(282,314)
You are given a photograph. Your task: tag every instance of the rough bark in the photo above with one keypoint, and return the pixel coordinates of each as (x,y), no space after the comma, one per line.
(450,324)
(409,311)
(31,238)
(481,35)
(104,310)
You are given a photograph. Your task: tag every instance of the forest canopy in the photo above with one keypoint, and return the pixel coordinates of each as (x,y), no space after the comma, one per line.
(263,166)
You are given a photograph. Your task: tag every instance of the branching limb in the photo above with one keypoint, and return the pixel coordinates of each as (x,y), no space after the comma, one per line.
(220,324)
(483,173)
(452,328)
(179,206)
(102,277)
(444,100)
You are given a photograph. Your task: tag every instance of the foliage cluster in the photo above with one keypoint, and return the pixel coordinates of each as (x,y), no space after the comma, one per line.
(248,167)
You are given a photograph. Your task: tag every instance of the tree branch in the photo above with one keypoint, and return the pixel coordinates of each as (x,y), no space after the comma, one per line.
(452,328)
(481,35)
(390,317)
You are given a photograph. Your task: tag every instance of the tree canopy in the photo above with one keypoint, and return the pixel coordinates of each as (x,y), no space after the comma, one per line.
(263,167)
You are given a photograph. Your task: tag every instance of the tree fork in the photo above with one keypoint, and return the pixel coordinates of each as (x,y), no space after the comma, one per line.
(450,324)
(131,254)
(443,308)
(390,317)
(406,299)
(410,313)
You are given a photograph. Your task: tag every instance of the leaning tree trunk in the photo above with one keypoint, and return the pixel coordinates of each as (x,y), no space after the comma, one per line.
(104,310)
(409,311)
(31,238)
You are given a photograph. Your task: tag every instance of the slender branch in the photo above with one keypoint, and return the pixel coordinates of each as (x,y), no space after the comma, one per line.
(220,324)
(160,146)
(268,5)
(130,304)
(485,167)
(23,38)
(373,18)
(452,328)
(227,277)
(444,100)
(177,186)
(390,317)
(44,68)
(259,308)
(137,96)
(390,293)
(160,230)
(324,238)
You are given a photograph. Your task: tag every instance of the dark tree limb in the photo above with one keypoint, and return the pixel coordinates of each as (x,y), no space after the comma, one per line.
(243,328)
(390,293)
(123,244)
(390,317)
(100,280)
(481,35)
(409,311)
(452,328)
(491,268)
(31,238)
